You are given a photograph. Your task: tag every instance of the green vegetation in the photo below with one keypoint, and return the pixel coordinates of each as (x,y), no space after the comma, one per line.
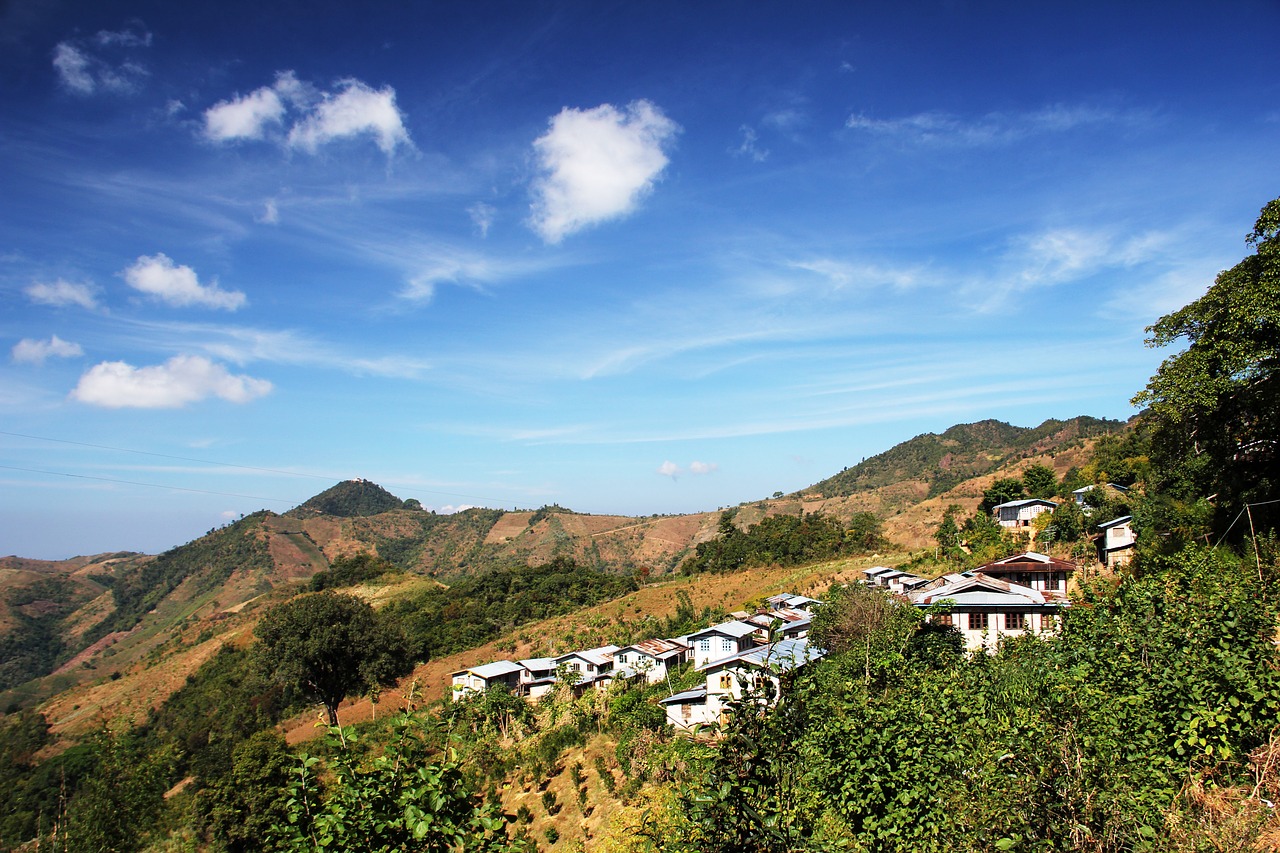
(962,452)
(34,646)
(331,646)
(349,499)
(351,571)
(784,540)
(481,608)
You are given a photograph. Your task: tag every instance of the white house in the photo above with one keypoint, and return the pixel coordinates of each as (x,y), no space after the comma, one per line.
(593,666)
(478,679)
(873,575)
(758,671)
(720,641)
(985,609)
(791,601)
(1038,571)
(651,658)
(538,678)
(1021,513)
(1116,541)
(1079,494)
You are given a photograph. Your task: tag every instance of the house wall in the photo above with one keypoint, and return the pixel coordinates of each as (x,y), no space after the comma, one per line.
(716,646)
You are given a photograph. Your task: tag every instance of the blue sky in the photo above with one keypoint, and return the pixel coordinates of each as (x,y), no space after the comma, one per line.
(625,257)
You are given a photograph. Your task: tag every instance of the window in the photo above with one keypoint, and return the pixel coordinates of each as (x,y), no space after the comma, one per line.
(1015,621)
(1051,581)
(728,645)
(941,618)
(726,681)
(704,645)
(977,621)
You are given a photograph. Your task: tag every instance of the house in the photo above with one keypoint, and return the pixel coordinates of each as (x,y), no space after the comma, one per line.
(1021,513)
(538,678)
(872,575)
(773,621)
(758,671)
(791,601)
(1038,571)
(985,609)
(1079,494)
(721,641)
(478,679)
(651,658)
(1116,540)
(593,667)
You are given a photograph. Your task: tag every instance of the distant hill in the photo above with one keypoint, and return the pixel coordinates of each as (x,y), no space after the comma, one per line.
(964,451)
(349,499)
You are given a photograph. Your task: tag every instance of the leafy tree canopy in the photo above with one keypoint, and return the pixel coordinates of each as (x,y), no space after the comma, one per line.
(1215,406)
(1001,491)
(331,646)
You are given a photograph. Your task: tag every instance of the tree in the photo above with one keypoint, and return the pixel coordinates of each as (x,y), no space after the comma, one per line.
(1040,480)
(1215,406)
(331,646)
(1001,491)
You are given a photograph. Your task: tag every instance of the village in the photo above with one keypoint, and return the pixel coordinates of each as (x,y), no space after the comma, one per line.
(753,653)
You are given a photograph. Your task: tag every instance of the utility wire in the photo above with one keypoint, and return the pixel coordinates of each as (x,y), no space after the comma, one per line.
(136,483)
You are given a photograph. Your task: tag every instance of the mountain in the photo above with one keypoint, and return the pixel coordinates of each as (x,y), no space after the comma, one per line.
(964,451)
(70,622)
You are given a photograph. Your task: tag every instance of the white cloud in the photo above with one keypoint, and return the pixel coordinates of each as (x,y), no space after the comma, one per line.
(482,215)
(31,351)
(596,165)
(177,285)
(84,71)
(670,469)
(696,467)
(314,117)
(181,380)
(749,146)
(244,118)
(62,293)
(357,109)
(270,213)
(991,129)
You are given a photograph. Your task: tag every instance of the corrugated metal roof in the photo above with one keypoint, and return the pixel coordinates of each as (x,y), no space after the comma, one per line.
(688,697)
(495,669)
(734,629)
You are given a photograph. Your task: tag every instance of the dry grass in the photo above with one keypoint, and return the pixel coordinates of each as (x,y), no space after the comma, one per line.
(1212,818)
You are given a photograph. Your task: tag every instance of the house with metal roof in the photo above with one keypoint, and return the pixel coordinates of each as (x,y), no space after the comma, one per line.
(538,678)
(792,601)
(984,609)
(758,673)
(1038,571)
(1021,513)
(593,667)
(1116,540)
(478,679)
(651,658)
(721,641)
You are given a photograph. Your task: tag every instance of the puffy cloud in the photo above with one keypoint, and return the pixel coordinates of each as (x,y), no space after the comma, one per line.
(317,117)
(670,469)
(31,351)
(357,109)
(596,165)
(181,380)
(244,118)
(60,293)
(84,70)
(696,467)
(178,285)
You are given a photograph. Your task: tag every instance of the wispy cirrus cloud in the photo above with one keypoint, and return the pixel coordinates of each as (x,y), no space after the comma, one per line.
(103,63)
(317,117)
(596,164)
(61,293)
(157,275)
(181,380)
(32,351)
(991,129)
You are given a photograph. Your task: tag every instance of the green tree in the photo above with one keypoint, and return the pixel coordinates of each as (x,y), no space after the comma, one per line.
(1039,480)
(1215,406)
(331,646)
(1001,491)
(948,533)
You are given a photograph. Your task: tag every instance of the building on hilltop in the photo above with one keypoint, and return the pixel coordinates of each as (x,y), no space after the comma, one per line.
(1021,513)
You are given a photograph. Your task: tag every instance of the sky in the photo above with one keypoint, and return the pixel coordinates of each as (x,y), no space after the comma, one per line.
(628,258)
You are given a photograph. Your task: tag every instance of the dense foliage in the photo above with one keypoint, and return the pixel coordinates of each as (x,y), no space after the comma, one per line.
(1078,741)
(784,540)
(349,499)
(34,646)
(1214,407)
(350,571)
(481,608)
(331,646)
